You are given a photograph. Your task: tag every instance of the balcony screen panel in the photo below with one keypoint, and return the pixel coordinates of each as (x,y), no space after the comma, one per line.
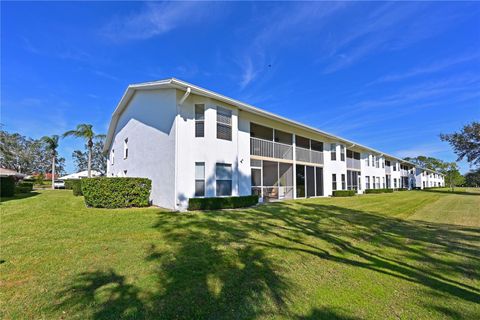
(270,173)
(302,142)
(256,177)
(300,181)
(319,181)
(317,145)
(283,137)
(261,132)
(356,155)
(286,174)
(310,181)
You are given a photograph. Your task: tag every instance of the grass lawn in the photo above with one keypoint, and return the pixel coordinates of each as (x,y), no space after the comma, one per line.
(406,255)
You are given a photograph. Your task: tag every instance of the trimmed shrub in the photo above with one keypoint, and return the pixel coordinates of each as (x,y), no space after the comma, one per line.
(343,193)
(401,189)
(76,186)
(26,185)
(116,192)
(69,183)
(378,190)
(19,189)
(7,186)
(221,202)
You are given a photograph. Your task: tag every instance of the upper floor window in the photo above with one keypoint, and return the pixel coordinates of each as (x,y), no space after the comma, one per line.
(377,162)
(367,160)
(224,124)
(395,166)
(199,120)
(333,151)
(223,177)
(342,152)
(125,149)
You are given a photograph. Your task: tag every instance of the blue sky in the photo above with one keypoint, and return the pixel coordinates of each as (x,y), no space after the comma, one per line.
(388,75)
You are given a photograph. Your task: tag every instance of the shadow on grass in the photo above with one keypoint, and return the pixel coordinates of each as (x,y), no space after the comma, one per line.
(19,196)
(449,191)
(230,264)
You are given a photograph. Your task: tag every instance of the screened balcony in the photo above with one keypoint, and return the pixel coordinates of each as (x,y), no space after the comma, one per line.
(307,150)
(353,160)
(270,143)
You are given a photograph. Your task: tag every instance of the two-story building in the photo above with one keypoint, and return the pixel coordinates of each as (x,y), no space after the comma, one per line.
(192,142)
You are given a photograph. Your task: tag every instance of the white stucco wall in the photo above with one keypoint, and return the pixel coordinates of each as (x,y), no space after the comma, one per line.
(210,150)
(149,124)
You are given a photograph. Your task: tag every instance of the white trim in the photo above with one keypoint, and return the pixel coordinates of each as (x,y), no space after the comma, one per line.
(184,86)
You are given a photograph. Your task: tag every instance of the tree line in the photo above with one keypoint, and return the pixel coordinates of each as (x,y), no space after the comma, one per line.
(27,155)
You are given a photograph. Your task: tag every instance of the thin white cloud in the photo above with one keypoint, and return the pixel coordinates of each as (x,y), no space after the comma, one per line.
(432,68)
(282,27)
(390,27)
(155,19)
(429,150)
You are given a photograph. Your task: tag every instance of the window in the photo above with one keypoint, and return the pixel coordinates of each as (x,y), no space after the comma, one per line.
(383,182)
(223,177)
(383,163)
(124,173)
(112,157)
(342,152)
(199,179)
(373,182)
(395,167)
(378,182)
(125,149)
(199,120)
(333,151)
(367,160)
(334,182)
(377,162)
(224,124)
(343,182)
(395,183)
(367,182)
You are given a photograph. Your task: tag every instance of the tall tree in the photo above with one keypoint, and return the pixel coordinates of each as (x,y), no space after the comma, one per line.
(51,144)
(453,177)
(427,162)
(26,155)
(472,178)
(99,158)
(466,143)
(85,131)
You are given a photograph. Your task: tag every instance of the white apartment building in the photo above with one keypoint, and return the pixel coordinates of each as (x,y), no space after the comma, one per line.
(192,142)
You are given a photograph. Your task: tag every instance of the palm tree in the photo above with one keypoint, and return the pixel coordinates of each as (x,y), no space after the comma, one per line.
(51,144)
(85,131)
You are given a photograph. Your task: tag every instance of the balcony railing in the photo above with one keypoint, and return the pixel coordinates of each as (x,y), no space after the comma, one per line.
(388,169)
(353,163)
(307,155)
(270,149)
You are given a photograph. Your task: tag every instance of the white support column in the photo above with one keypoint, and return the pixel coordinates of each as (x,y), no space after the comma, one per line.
(294,168)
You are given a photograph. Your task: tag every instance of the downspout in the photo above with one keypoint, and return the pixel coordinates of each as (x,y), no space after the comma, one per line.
(185,96)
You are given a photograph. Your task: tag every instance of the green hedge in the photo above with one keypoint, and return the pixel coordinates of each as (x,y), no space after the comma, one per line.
(116,192)
(343,193)
(69,183)
(378,190)
(75,185)
(26,185)
(7,186)
(19,189)
(402,189)
(222,202)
